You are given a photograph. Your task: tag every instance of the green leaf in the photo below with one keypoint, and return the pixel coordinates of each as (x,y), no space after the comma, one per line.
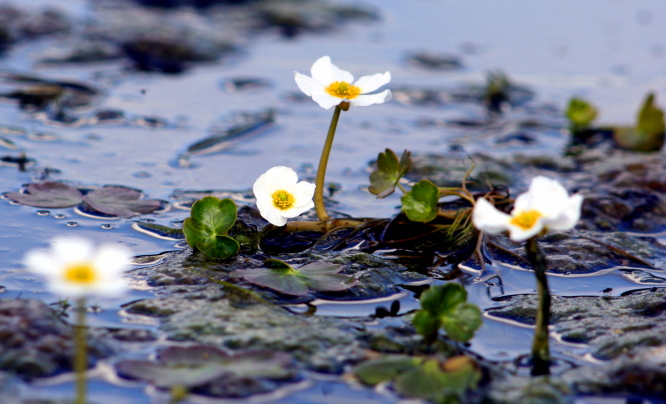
(206,229)
(389,171)
(214,214)
(648,134)
(316,277)
(447,307)
(580,114)
(650,119)
(420,203)
(120,201)
(219,247)
(461,324)
(47,195)
(385,368)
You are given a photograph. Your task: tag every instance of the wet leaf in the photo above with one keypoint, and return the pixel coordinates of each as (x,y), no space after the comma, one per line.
(648,134)
(580,114)
(420,203)
(446,307)
(385,368)
(315,277)
(48,195)
(432,381)
(389,171)
(120,201)
(205,230)
(198,365)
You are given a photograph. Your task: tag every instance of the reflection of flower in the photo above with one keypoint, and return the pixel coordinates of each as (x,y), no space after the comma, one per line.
(75,268)
(280,196)
(546,205)
(329,85)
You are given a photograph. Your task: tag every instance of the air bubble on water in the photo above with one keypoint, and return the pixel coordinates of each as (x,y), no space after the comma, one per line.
(72,224)
(106,226)
(43,212)
(59,216)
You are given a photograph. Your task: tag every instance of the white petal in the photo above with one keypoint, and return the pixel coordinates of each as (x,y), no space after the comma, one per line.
(307,84)
(297,210)
(274,216)
(487,218)
(111,260)
(326,72)
(274,179)
(341,75)
(72,249)
(111,288)
(569,215)
(67,289)
(517,233)
(303,193)
(369,99)
(548,197)
(325,100)
(368,84)
(42,263)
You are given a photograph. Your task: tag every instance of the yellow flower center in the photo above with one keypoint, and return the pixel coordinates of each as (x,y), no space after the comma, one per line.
(526,220)
(82,273)
(283,199)
(342,89)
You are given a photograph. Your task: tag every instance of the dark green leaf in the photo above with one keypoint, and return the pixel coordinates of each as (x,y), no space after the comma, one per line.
(439,300)
(427,325)
(427,381)
(580,114)
(120,201)
(280,276)
(214,215)
(461,324)
(389,171)
(218,247)
(386,368)
(47,195)
(650,119)
(420,203)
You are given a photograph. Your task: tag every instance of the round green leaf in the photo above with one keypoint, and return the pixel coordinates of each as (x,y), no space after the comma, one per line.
(461,324)
(439,300)
(276,279)
(426,324)
(420,203)
(214,214)
(220,247)
(386,368)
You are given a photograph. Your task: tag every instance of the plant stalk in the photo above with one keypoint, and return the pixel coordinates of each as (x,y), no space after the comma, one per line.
(81,351)
(323,162)
(540,349)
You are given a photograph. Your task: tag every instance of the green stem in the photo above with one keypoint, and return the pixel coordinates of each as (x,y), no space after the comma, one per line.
(540,349)
(81,351)
(323,162)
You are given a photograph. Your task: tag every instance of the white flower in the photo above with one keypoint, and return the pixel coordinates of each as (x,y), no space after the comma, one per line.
(280,196)
(329,85)
(75,268)
(546,205)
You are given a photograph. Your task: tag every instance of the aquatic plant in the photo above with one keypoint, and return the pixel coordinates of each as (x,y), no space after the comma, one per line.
(329,87)
(207,227)
(280,196)
(648,133)
(75,268)
(546,205)
(580,114)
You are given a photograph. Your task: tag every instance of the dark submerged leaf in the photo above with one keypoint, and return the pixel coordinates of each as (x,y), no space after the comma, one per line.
(48,195)
(120,201)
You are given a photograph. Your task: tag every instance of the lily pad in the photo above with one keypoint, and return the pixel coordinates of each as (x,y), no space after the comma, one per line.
(198,365)
(47,195)
(120,201)
(206,229)
(389,171)
(420,203)
(316,277)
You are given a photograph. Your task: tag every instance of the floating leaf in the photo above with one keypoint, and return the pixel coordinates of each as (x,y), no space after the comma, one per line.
(420,203)
(206,229)
(48,195)
(446,307)
(385,368)
(228,137)
(316,277)
(580,114)
(439,382)
(120,201)
(389,171)
(198,365)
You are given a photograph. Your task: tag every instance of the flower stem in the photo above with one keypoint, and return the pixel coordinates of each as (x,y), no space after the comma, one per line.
(323,162)
(81,351)
(540,349)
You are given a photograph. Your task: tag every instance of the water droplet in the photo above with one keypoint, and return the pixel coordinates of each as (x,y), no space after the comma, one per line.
(59,216)
(106,226)
(72,224)
(43,212)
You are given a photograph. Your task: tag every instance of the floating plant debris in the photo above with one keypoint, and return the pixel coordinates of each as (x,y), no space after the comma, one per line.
(431,61)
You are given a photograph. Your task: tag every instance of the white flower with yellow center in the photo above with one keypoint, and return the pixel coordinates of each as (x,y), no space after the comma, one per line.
(76,268)
(329,85)
(280,196)
(546,205)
